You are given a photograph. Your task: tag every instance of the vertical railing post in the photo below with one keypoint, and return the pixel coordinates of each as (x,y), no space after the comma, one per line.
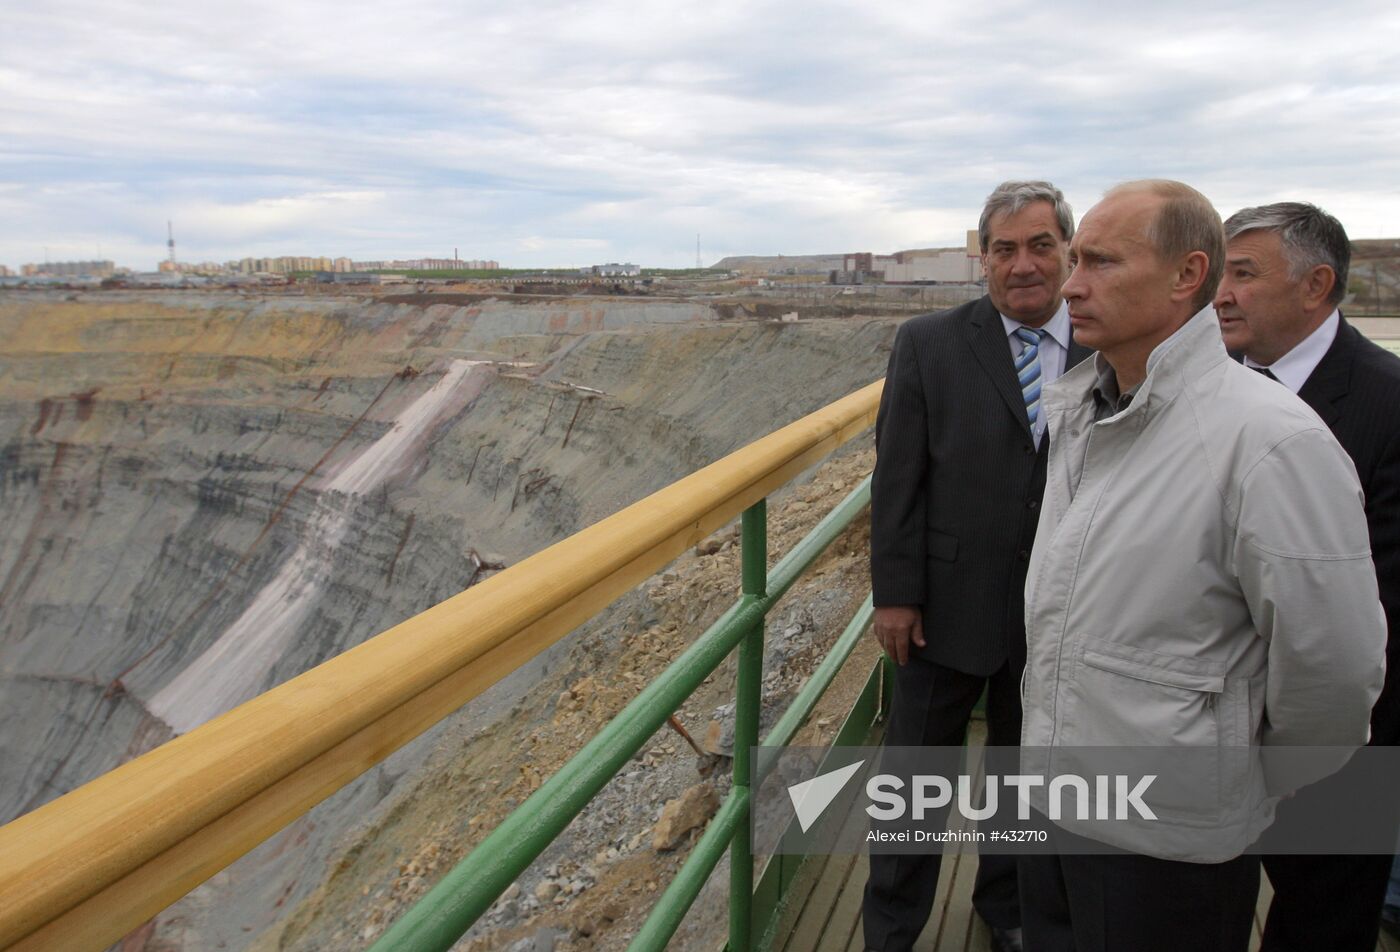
(747,704)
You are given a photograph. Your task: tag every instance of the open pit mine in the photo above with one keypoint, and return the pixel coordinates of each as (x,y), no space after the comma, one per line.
(205,494)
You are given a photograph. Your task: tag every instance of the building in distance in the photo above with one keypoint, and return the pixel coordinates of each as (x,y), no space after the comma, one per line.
(287,264)
(931,266)
(427,264)
(612,270)
(69,269)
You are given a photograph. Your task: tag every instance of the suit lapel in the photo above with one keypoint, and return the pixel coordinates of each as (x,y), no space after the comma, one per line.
(1328,384)
(987,336)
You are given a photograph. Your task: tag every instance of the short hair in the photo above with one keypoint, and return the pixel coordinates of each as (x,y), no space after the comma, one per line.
(1185,222)
(1309,237)
(1011,197)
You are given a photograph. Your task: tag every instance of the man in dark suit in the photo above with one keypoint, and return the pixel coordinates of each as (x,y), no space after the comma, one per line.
(959,472)
(1285,273)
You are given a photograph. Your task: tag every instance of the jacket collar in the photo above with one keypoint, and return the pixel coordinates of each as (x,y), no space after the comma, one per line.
(1173,364)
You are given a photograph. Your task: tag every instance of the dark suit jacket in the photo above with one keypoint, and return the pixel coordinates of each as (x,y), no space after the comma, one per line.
(1356,391)
(957,487)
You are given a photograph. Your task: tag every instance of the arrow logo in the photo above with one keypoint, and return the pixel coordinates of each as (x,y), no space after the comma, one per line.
(810,798)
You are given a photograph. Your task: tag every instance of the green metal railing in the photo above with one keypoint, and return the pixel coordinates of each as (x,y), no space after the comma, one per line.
(450,908)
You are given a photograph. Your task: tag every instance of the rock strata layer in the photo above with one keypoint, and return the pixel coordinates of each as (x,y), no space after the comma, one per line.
(206,494)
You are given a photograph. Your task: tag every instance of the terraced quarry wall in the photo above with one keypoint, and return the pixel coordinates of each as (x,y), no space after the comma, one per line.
(205,494)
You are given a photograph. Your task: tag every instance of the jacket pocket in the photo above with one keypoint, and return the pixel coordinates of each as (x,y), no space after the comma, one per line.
(1160,714)
(1154,668)
(941,546)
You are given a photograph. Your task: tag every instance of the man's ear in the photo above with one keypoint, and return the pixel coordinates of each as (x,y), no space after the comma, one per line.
(1190,275)
(1317,285)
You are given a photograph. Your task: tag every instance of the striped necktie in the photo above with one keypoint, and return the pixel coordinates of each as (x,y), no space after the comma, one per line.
(1028,370)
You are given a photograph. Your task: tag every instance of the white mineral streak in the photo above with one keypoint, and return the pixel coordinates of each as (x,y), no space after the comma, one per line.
(236,666)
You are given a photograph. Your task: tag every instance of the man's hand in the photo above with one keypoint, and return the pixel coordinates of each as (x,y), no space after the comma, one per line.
(896,626)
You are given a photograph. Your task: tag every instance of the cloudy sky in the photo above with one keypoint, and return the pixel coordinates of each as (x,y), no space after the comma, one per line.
(574,133)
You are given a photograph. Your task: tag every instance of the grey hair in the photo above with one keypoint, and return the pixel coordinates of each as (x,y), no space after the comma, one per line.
(1185,222)
(1309,237)
(1011,197)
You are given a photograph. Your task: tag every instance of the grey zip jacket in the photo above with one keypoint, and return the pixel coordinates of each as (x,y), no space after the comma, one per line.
(1201,585)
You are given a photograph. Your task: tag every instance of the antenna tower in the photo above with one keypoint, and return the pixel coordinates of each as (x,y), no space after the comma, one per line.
(697,251)
(170,240)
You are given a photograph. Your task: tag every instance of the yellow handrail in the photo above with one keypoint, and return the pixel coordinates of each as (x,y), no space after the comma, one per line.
(86,868)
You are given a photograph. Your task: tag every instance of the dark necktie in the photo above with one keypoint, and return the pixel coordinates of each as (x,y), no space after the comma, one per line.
(1266,372)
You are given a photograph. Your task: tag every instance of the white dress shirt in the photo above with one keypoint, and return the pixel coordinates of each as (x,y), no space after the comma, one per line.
(1054,351)
(1295,367)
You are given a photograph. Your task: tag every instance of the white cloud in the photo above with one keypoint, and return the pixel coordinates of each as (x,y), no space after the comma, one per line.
(619,130)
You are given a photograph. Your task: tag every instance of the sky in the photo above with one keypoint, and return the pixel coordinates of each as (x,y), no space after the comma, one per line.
(564,134)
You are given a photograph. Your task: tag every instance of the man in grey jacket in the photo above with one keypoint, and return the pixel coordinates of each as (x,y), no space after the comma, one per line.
(1168,606)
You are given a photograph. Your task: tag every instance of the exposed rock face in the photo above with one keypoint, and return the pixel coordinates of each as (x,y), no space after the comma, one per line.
(206,494)
(231,670)
(687,812)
